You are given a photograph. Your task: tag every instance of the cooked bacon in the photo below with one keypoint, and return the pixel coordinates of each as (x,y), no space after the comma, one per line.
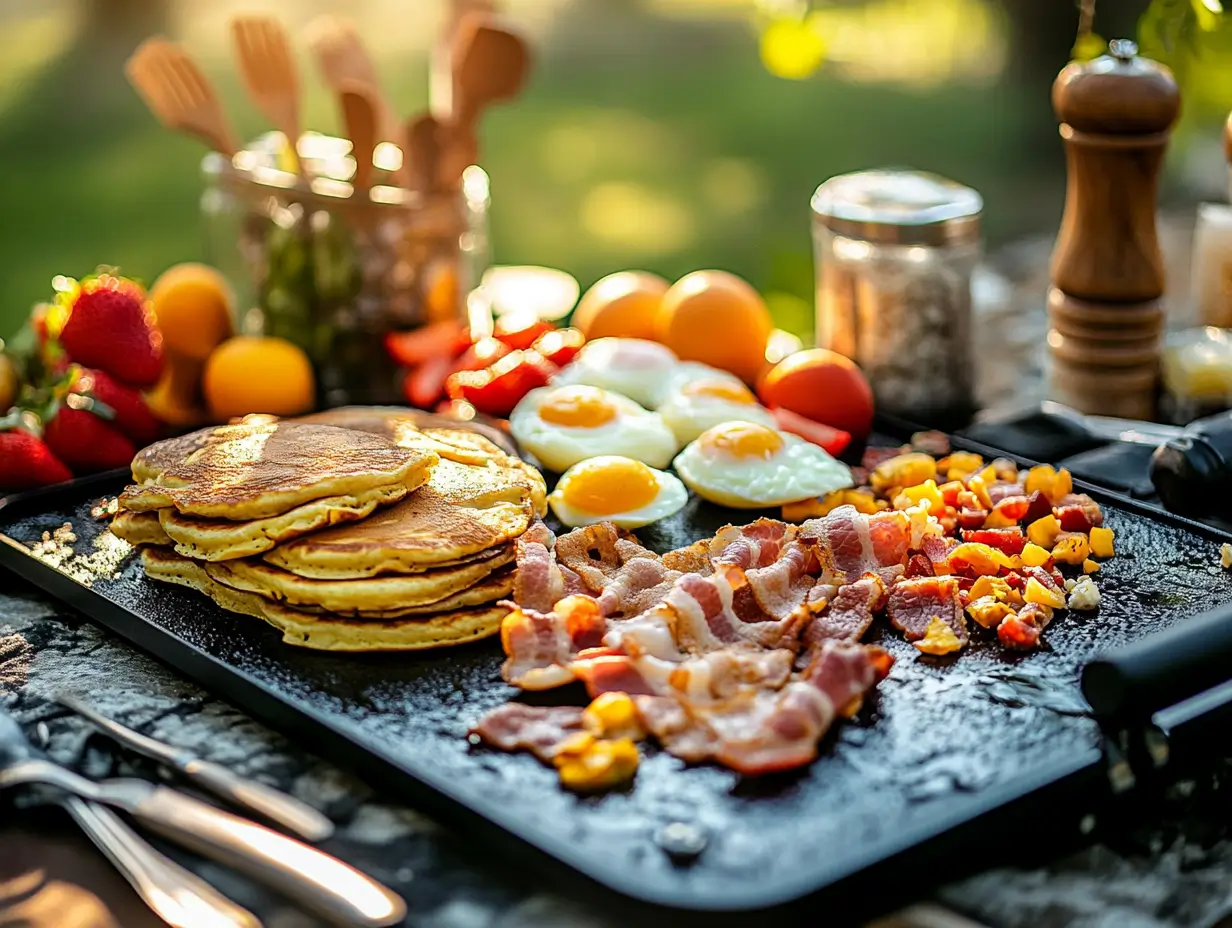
(1009,541)
(755,545)
(914,602)
(919,566)
(781,587)
(849,613)
(932,442)
(852,544)
(1052,581)
(539,582)
(937,549)
(1022,631)
(542,730)
(1038,506)
(540,646)
(1077,512)
(874,456)
(1000,491)
(971,518)
(694,559)
(706,619)
(706,678)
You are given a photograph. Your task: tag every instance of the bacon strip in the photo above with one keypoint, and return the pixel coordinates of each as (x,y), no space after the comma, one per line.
(914,602)
(541,646)
(542,730)
(850,613)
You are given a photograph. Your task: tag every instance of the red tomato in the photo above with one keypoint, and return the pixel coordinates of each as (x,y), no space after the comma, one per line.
(834,441)
(823,386)
(520,332)
(496,390)
(560,346)
(424,385)
(484,353)
(439,339)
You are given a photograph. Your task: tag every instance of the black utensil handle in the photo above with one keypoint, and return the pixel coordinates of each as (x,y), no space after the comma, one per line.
(1162,670)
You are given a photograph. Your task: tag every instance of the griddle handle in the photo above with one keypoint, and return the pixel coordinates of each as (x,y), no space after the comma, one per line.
(1162,670)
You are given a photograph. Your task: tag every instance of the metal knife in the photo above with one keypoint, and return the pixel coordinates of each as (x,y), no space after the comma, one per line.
(1111,429)
(266,801)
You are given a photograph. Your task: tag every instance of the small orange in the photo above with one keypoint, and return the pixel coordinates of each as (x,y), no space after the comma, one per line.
(251,374)
(821,385)
(716,318)
(193,306)
(621,305)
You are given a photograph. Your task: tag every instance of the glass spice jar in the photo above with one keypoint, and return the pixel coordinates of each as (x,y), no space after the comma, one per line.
(895,252)
(333,269)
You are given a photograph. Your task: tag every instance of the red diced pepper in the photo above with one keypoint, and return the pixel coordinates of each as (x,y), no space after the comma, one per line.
(1015,580)
(560,346)
(1039,506)
(497,389)
(483,353)
(971,518)
(1020,635)
(1009,541)
(519,331)
(439,339)
(424,385)
(831,440)
(919,566)
(1013,508)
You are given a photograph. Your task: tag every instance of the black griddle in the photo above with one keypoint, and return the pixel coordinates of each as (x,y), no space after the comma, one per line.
(954,763)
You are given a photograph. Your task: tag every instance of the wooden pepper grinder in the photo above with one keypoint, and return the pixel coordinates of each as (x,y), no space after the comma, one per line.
(1106,319)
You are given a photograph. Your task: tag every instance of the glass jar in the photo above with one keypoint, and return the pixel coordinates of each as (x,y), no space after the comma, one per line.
(333,269)
(895,252)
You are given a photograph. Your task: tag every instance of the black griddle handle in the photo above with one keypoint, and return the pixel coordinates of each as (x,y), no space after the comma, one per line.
(1134,682)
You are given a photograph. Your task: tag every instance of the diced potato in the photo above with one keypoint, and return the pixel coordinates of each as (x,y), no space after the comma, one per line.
(960,464)
(613,715)
(1101,542)
(998,518)
(989,611)
(1089,566)
(996,587)
(1062,486)
(1034,555)
(1071,548)
(1044,532)
(601,766)
(1040,478)
(1040,595)
(926,494)
(1085,594)
(979,487)
(815,508)
(938,638)
(903,470)
(988,475)
(980,559)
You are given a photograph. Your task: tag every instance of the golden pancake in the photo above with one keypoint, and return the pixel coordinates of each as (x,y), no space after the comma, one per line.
(462,510)
(493,588)
(375,594)
(223,539)
(266,469)
(156,458)
(329,633)
(387,420)
(139,528)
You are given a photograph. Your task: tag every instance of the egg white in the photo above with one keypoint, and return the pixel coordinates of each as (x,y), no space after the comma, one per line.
(632,367)
(687,372)
(634,433)
(669,499)
(799,470)
(688,416)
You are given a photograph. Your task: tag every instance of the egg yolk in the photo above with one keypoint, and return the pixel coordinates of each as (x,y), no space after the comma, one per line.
(608,486)
(577,407)
(742,440)
(719,390)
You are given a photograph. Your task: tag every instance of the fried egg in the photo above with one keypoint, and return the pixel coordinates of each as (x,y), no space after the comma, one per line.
(616,489)
(562,425)
(707,401)
(632,367)
(746,465)
(687,372)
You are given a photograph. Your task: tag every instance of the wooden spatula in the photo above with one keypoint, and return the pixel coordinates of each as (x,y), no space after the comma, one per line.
(343,59)
(422,153)
(269,73)
(178,94)
(361,116)
(490,64)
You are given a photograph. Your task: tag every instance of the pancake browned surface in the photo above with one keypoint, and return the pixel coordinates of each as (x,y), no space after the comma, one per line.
(374,594)
(491,589)
(388,420)
(139,528)
(265,469)
(328,632)
(156,458)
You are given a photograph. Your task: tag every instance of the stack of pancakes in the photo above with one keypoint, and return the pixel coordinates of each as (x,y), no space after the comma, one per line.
(350,531)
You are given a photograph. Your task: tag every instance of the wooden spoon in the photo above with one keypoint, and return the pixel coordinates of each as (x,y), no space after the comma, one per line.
(178,94)
(343,59)
(422,153)
(490,64)
(268,69)
(360,115)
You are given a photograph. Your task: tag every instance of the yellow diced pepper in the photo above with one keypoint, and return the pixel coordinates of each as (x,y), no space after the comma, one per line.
(577,743)
(1089,566)
(925,494)
(903,470)
(960,464)
(613,715)
(1040,478)
(1101,542)
(982,559)
(1071,548)
(603,765)
(1044,532)
(977,486)
(988,475)
(996,587)
(1042,596)
(1015,598)
(817,507)
(1062,486)
(1016,562)
(989,611)
(1034,555)
(998,519)
(938,638)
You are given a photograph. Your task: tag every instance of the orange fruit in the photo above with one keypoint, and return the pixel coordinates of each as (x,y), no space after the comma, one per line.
(250,374)
(621,305)
(823,386)
(193,306)
(716,318)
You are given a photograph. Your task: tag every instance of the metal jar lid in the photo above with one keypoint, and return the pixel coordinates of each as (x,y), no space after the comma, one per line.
(898,208)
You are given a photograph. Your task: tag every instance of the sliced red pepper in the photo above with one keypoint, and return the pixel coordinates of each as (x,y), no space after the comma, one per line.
(831,440)
(971,518)
(560,346)
(519,331)
(484,353)
(424,385)
(497,389)
(1009,541)
(438,339)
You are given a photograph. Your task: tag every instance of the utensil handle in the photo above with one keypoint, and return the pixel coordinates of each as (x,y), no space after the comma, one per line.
(178,897)
(309,876)
(273,804)
(1162,670)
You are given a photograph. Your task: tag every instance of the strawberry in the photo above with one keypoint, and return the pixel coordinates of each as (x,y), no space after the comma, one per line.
(26,462)
(85,440)
(110,328)
(132,415)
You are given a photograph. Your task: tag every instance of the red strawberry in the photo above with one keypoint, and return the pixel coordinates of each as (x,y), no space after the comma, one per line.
(85,441)
(110,328)
(27,463)
(132,415)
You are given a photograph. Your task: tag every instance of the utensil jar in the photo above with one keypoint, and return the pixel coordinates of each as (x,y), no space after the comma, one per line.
(334,268)
(894,253)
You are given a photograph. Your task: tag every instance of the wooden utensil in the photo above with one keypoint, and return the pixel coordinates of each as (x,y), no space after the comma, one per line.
(490,63)
(343,59)
(422,153)
(361,116)
(269,73)
(178,94)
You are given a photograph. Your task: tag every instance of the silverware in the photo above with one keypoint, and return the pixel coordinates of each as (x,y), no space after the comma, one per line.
(1129,430)
(273,804)
(301,872)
